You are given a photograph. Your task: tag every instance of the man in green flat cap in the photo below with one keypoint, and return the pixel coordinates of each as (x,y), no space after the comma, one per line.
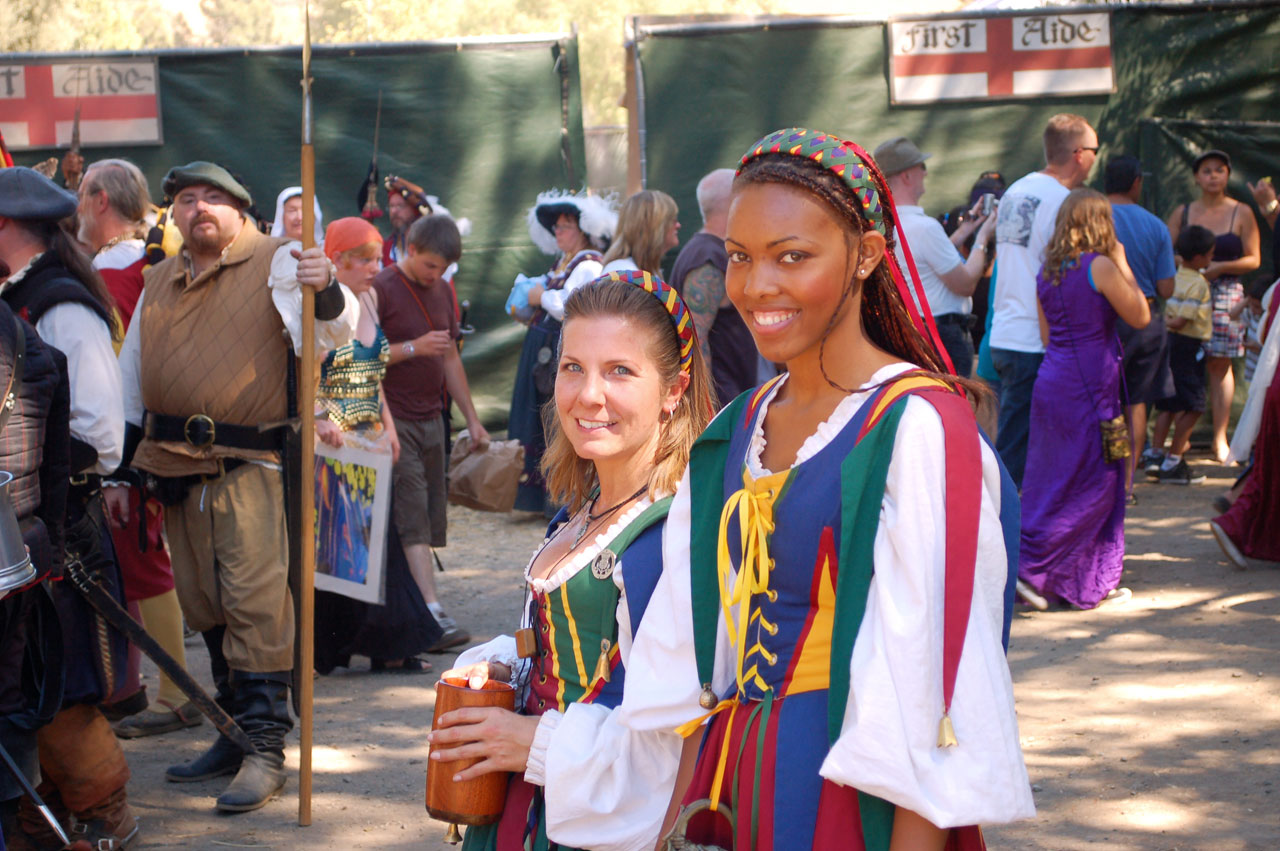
(206,365)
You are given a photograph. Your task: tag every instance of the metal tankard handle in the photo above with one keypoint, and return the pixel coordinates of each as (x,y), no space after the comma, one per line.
(676,839)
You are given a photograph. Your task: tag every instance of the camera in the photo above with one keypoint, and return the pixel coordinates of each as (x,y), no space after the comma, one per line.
(989,203)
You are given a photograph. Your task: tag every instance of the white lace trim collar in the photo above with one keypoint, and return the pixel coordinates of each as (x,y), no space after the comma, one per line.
(582,558)
(17,276)
(827,429)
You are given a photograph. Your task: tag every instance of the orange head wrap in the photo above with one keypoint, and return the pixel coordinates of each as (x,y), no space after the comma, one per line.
(346,234)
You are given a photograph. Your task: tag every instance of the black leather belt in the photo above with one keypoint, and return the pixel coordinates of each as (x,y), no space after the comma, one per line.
(964,319)
(201,432)
(84,485)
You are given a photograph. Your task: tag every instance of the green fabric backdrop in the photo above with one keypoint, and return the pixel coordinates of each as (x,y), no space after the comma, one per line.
(479,126)
(712,91)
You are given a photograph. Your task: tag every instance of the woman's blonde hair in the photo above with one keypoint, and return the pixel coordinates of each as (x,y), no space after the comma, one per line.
(571,479)
(1084,224)
(643,223)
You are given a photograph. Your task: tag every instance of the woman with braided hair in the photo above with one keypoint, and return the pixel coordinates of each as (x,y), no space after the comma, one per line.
(839,559)
(631,395)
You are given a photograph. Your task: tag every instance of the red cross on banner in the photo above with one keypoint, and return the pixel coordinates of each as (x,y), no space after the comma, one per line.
(1000,57)
(118,102)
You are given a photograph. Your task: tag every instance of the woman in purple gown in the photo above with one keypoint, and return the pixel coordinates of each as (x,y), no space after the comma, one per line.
(1072,498)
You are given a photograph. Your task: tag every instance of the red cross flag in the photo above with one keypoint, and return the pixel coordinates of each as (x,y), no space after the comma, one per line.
(118,100)
(1018,56)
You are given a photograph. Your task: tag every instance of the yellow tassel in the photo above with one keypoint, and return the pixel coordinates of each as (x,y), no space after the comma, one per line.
(946,732)
(602,664)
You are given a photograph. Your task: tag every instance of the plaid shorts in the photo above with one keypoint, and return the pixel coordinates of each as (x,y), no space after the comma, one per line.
(1228,334)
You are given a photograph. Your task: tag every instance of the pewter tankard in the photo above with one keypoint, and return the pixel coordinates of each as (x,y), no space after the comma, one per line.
(16,569)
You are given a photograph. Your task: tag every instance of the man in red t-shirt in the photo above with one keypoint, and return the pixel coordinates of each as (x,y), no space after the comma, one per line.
(416,312)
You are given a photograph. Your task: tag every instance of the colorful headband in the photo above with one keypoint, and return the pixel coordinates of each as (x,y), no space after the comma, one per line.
(858,170)
(836,155)
(670,300)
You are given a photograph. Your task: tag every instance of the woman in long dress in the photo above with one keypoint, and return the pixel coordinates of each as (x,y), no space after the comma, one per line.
(1073,499)
(631,395)
(1236,251)
(351,412)
(575,228)
(828,628)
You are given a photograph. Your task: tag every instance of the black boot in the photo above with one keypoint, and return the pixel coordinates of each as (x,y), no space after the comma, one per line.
(225,755)
(263,702)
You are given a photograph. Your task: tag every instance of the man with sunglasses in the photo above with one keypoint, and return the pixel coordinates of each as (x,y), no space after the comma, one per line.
(1024,226)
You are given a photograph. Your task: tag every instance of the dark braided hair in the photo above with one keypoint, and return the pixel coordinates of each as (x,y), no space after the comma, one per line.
(885,317)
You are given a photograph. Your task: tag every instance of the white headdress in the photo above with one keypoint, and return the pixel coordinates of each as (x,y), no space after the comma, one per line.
(597,216)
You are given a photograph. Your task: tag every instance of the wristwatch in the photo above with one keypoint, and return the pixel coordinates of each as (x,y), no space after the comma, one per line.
(407,349)
(1271,207)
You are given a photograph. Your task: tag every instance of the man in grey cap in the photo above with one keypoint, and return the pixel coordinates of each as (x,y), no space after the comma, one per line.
(54,286)
(207,363)
(948,278)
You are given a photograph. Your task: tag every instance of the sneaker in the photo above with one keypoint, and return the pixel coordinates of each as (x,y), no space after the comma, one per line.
(452,637)
(1182,474)
(1150,460)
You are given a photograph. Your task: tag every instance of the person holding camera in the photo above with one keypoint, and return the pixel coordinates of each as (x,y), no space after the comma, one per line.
(947,277)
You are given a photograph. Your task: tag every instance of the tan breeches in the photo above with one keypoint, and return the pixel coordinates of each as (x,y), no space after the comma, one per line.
(230,552)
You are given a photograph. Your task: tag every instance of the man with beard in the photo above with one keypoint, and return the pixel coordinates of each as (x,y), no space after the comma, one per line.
(207,367)
(54,287)
(114,200)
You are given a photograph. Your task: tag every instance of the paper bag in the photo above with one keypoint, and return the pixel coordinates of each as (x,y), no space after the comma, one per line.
(485,481)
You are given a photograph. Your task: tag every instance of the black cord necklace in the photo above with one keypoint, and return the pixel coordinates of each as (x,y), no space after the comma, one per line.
(592,518)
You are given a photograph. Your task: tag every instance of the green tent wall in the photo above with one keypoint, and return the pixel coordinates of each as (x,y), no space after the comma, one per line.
(476,122)
(1188,77)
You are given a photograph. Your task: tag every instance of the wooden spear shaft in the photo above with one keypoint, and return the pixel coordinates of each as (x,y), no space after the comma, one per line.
(306,411)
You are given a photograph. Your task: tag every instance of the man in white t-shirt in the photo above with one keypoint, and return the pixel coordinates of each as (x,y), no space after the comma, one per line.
(1024,227)
(948,279)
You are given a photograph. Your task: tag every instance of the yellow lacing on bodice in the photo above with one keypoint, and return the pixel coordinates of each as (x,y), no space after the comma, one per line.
(753,504)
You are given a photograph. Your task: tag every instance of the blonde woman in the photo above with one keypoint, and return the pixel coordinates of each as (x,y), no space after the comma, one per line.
(648,228)
(631,396)
(1073,498)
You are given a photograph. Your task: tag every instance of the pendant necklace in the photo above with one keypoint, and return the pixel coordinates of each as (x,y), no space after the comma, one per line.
(592,518)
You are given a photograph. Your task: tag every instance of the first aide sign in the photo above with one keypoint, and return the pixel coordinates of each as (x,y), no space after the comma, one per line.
(118,102)
(1018,56)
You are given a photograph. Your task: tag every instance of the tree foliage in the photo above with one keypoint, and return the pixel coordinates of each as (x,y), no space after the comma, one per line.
(74,25)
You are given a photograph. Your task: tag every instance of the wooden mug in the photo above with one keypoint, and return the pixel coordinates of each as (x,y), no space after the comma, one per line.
(480,800)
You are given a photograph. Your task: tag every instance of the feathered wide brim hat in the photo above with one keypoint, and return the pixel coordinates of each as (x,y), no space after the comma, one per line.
(597,216)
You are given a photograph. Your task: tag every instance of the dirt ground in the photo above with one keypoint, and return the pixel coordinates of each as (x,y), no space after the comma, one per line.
(1148,726)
